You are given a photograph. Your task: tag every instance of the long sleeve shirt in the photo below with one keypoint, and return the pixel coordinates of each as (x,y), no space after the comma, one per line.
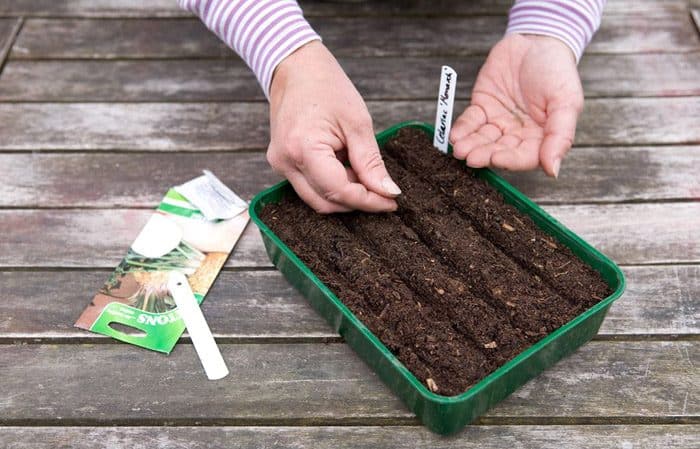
(572,21)
(264,32)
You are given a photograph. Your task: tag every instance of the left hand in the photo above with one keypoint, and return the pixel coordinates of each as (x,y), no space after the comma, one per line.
(524,107)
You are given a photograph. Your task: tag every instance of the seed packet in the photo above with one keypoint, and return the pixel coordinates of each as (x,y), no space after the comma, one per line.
(134,304)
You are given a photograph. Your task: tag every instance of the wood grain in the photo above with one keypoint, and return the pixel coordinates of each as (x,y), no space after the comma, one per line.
(629,233)
(262,306)
(235,126)
(79,238)
(317,383)
(92,8)
(345,36)
(607,174)
(638,75)
(125,180)
(668,297)
(241,305)
(637,233)
(68,84)
(112,38)
(589,174)
(359,437)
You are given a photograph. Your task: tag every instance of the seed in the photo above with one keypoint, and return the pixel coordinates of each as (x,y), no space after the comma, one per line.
(440,291)
(491,345)
(508,227)
(550,244)
(510,304)
(431,384)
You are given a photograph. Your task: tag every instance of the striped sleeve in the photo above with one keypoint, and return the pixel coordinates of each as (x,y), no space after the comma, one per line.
(572,21)
(262,32)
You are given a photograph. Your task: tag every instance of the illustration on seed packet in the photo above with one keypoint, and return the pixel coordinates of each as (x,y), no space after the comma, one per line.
(193,235)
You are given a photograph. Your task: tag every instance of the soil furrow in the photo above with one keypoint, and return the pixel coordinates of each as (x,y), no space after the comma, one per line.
(487,272)
(514,233)
(370,282)
(433,281)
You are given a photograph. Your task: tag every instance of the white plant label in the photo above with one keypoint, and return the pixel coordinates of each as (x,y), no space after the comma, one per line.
(445,104)
(202,339)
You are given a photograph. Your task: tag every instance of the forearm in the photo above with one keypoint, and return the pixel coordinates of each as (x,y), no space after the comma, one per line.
(572,21)
(262,32)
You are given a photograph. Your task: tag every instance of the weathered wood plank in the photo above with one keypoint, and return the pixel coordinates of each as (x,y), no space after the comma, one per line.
(595,174)
(659,300)
(233,126)
(636,233)
(629,233)
(177,80)
(312,383)
(589,174)
(121,180)
(111,38)
(345,36)
(637,75)
(240,305)
(663,300)
(340,437)
(90,238)
(93,8)
(118,126)
(166,8)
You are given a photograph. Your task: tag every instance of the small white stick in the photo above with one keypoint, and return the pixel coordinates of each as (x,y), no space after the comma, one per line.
(197,327)
(445,104)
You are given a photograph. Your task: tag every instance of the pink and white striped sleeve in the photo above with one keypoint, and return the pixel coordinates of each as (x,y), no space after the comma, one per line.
(572,21)
(262,32)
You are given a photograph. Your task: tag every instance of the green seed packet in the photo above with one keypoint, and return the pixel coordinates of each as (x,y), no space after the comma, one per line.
(134,304)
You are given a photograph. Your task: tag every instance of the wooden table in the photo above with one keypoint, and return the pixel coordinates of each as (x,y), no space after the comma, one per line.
(103,107)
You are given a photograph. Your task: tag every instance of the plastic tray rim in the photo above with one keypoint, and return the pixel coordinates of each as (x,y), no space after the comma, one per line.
(512,363)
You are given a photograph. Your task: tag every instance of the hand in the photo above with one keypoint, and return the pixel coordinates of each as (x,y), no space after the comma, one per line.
(318,120)
(524,107)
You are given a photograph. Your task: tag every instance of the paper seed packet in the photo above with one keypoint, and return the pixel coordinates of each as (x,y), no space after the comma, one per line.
(134,305)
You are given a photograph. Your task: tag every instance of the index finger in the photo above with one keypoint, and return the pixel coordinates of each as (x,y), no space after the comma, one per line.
(327,175)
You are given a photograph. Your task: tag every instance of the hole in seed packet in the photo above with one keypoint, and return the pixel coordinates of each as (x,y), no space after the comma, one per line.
(128,330)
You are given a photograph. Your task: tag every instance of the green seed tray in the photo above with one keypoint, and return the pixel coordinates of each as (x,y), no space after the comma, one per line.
(444,414)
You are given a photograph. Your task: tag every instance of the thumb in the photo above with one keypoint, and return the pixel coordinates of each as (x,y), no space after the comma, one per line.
(559,132)
(367,163)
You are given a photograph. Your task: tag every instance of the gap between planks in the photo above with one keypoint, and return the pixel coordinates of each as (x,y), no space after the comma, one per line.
(370,421)
(356,437)
(322,340)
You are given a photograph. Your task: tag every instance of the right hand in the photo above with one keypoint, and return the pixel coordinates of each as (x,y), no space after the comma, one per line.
(318,120)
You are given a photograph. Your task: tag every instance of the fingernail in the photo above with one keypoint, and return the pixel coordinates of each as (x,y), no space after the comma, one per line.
(556,166)
(390,186)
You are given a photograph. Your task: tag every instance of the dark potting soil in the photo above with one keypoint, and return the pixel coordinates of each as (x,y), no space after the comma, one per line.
(455,282)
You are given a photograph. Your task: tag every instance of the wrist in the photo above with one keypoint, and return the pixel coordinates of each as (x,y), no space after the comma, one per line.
(299,60)
(550,42)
